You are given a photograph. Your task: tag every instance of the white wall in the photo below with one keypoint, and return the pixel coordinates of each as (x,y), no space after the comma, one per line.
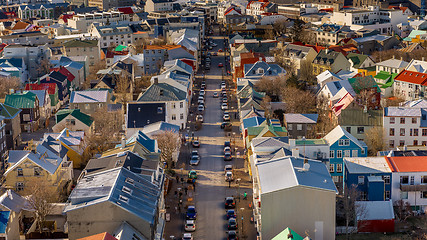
(413,197)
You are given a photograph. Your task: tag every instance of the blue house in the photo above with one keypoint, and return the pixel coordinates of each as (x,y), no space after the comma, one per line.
(371,175)
(342,144)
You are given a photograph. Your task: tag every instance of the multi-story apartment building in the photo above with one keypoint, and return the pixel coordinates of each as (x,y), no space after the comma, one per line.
(46,11)
(405,126)
(79,47)
(106,4)
(159,5)
(257,8)
(82,22)
(331,34)
(114,34)
(410,85)
(391,66)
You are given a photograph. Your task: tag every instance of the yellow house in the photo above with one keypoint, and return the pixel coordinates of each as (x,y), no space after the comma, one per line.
(43,164)
(72,142)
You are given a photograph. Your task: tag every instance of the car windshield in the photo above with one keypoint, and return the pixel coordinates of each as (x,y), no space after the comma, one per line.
(231,212)
(232,221)
(229,200)
(195,157)
(191,210)
(227,154)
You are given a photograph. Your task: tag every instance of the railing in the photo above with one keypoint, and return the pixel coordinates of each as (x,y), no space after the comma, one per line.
(413,188)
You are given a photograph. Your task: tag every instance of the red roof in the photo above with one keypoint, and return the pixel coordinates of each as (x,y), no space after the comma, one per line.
(407,164)
(50,87)
(126,10)
(412,77)
(316,47)
(67,73)
(111,54)
(65,17)
(397,8)
(231,9)
(100,236)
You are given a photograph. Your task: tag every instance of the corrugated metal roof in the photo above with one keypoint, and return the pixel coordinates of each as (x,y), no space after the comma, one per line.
(89,96)
(14,202)
(301,118)
(162,92)
(402,112)
(84,118)
(367,165)
(374,210)
(21,100)
(358,117)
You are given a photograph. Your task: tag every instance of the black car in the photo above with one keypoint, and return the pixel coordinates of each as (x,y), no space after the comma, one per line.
(226,125)
(196,143)
(227,144)
(227,156)
(229,202)
(232,224)
(232,235)
(231,214)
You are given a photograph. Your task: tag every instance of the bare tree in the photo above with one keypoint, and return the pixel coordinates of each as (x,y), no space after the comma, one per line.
(306,73)
(402,210)
(44,67)
(7,83)
(298,101)
(374,138)
(93,73)
(169,143)
(394,101)
(346,207)
(281,26)
(41,196)
(380,56)
(124,87)
(266,106)
(272,86)
(268,34)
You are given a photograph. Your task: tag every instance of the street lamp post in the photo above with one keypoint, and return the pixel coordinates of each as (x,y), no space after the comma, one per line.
(241,212)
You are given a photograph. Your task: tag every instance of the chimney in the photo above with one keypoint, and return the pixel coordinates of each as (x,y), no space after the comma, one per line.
(295,152)
(123,142)
(394,57)
(260,59)
(67,132)
(292,143)
(401,58)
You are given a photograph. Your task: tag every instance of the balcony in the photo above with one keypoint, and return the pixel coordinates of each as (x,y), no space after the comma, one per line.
(413,188)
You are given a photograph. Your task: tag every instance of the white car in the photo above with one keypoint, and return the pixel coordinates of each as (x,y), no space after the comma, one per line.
(199,118)
(201,108)
(226,117)
(228,168)
(229,176)
(190,226)
(201,102)
(187,236)
(224,106)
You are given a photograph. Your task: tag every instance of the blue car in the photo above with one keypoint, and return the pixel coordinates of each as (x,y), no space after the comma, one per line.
(191,213)
(231,214)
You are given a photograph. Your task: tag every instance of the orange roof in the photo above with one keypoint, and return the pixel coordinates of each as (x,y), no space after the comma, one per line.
(398,7)
(100,236)
(407,164)
(20,25)
(412,77)
(155,47)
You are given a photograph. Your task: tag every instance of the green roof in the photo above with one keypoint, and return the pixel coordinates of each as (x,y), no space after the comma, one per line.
(311,142)
(386,76)
(81,43)
(383,75)
(358,117)
(120,48)
(357,59)
(361,83)
(84,118)
(8,112)
(285,234)
(21,100)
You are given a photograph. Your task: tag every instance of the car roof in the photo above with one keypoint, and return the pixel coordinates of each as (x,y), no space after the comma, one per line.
(228,166)
(229,172)
(229,198)
(187,234)
(190,221)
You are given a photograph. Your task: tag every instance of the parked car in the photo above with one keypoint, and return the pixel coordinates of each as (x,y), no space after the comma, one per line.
(207,67)
(220,65)
(229,202)
(229,177)
(231,214)
(214,44)
(203,85)
(226,125)
(201,108)
(187,236)
(190,226)
(191,213)
(195,160)
(224,106)
(196,143)
(227,156)
(210,47)
(199,118)
(232,235)
(232,224)
(224,99)
(195,153)
(201,101)
(215,94)
(228,168)
(227,149)
(214,54)
(227,144)
(226,118)
(220,50)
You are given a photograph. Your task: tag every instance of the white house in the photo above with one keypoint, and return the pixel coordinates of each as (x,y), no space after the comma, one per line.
(391,65)
(82,22)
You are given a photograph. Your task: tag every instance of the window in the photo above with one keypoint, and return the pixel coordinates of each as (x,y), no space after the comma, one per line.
(331,154)
(363,196)
(424,132)
(181,116)
(346,153)
(386,179)
(173,106)
(181,105)
(414,120)
(404,180)
(331,167)
(415,132)
(360,180)
(290,127)
(19,186)
(415,142)
(402,120)
(20,172)
(391,143)
(401,142)
(392,120)
(26,117)
(360,130)
(339,153)
(391,133)
(37,171)
(339,167)
(387,195)
(87,106)
(402,132)
(159,110)
(344,142)
(424,179)
(299,127)
(412,180)
(354,153)
(173,117)
(348,129)
(403,195)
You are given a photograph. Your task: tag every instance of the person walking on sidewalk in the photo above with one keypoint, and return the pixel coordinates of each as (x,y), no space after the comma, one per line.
(245,196)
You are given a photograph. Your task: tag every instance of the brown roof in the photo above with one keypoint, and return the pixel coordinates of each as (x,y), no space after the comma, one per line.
(100,236)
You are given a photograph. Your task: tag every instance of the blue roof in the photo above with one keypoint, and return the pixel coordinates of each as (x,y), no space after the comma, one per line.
(252,122)
(4,219)
(144,140)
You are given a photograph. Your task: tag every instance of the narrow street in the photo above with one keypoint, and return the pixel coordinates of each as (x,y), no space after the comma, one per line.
(211,187)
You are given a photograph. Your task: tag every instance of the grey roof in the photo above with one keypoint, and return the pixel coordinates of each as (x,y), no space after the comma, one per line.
(374,210)
(126,231)
(287,172)
(162,92)
(92,96)
(269,142)
(402,112)
(337,133)
(379,38)
(301,118)
(123,188)
(421,103)
(14,202)
(41,95)
(394,63)
(366,165)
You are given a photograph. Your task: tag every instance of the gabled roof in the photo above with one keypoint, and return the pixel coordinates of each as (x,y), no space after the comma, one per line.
(140,114)
(252,122)
(284,235)
(144,140)
(8,112)
(337,133)
(363,83)
(301,118)
(89,96)
(153,128)
(421,103)
(81,43)
(41,95)
(358,117)
(14,202)
(113,186)
(50,87)
(21,100)
(357,59)
(325,56)
(270,69)
(287,172)
(162,92)
(126,231)
(76,113)
(374,210)
(402,112)
(412,77)
(394,63)
(99,236)
(4,220)
(326,75)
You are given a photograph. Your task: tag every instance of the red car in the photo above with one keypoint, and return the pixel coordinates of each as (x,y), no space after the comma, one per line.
(220,65)
(220,50)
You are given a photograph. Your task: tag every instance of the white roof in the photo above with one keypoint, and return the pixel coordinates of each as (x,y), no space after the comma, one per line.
(374,210)
(367,165)
(417,66)
(326,75)
(337,133)
(393,63)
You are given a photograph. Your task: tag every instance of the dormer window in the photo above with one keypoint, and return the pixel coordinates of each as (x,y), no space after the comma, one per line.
(260,71)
